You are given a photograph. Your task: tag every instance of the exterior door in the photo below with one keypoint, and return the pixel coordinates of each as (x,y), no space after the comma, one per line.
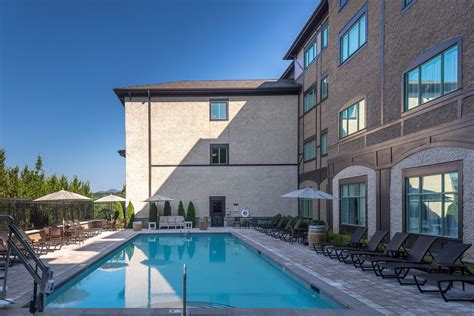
(217,210)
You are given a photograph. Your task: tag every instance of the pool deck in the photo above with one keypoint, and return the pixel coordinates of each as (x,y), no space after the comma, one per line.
(361,292)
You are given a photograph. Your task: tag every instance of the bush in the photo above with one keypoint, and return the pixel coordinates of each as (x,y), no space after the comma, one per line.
(181,209)
(153,216)
(167,209)
(191,214)
(317,222)
(118,211)
(339,239)
(132,219)
(130,214)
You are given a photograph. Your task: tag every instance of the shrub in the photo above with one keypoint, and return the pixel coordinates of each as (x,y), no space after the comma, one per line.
(118,211)
(317,222)
(153,216)
(181,209)
(191,214)
(339,239)
(130,214)
(167,209)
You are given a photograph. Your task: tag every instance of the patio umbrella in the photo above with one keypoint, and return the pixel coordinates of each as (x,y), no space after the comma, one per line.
(110,199)
(62,197)
(158,198)
(309,193)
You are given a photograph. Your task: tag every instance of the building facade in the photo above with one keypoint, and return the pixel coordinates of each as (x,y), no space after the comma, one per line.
(384,117)
(224,145)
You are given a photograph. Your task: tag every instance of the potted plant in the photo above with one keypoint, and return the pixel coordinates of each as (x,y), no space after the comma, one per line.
(203,223)
(316,232)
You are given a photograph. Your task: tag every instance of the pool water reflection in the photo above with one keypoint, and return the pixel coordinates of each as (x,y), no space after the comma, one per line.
(222,272)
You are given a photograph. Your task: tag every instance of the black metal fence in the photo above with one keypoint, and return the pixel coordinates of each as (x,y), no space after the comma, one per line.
(29,215)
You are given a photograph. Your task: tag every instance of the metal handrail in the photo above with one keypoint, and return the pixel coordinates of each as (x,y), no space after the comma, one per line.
(184,289)
(42,278)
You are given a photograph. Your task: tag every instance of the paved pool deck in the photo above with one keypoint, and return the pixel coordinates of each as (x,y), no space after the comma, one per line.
(361,292)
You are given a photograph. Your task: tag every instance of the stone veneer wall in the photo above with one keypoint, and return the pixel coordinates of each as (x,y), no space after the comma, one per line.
(429,157)
(356,171)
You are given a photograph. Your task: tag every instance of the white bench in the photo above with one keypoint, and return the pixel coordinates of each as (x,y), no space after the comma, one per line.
(171,222)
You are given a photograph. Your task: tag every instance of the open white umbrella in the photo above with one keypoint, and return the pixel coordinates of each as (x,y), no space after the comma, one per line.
(63,196)
(110,199)
(158,198)
(309,193)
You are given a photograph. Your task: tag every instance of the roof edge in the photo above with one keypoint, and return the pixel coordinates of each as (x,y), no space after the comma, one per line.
(307,29)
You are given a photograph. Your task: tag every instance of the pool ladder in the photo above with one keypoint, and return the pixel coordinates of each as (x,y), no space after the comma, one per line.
(41,272)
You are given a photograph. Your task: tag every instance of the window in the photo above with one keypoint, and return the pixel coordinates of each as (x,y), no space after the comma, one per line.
(324,143)
(309,100)
(309,150)
(219,154)
(310,54)
(219,110)
(352,119)
(431,204)
(342,3)
(324,88)
(432,79)
(353,38)
(353,204)
(324,36)
(306,208)
(406,3)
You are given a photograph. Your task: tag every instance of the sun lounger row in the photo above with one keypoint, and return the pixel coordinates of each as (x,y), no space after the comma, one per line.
(286,228)
(394,261)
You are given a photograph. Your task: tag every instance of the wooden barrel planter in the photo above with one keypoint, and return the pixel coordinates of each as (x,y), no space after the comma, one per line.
(316,235)
(203,224)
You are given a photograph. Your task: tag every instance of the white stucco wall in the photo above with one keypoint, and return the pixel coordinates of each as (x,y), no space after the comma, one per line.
(356,171)
(136,162)
(262,136)
(429,157)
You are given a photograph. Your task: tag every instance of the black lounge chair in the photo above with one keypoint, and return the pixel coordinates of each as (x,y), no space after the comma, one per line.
(417,253)
(343,254)
(356,237)
(448,255)
(279,232)
(392,249)
(440,279)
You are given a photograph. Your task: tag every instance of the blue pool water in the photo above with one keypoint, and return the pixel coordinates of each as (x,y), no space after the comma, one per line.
(222,272)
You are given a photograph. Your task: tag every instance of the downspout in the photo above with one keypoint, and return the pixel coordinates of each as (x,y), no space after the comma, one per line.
(297,141)
(149,144)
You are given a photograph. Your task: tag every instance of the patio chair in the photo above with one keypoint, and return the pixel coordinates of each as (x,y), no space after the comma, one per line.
(276,233)
(281,223)
(287,234)
(237,223)
(417,253)
(267,224)
(373,244)
(39,246)
(440,279)
(90,232)
(54,244)
(3,251)
(448,255)
(392,249)
(327,248)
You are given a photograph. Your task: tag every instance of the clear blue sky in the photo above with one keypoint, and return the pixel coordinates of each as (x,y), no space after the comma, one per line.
(60,60)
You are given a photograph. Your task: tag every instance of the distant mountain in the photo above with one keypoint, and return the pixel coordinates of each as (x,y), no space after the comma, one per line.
(111,191)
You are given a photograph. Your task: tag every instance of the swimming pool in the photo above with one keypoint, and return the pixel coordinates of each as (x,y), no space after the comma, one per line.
(147,272)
